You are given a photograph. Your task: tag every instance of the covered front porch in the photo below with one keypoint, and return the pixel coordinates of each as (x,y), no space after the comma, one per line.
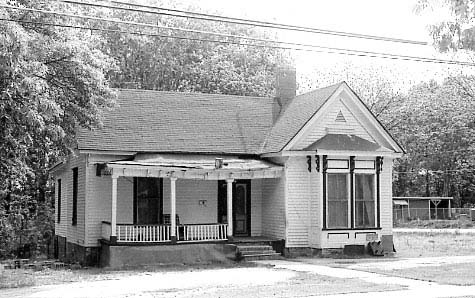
(183,198)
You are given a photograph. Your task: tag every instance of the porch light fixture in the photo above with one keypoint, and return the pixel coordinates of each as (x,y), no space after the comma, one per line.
(218,163)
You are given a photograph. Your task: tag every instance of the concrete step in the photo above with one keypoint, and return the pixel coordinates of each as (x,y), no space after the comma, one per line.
(243,248)
(264,256)
(257,252)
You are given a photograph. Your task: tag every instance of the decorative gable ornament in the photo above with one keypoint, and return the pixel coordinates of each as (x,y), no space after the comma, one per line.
(340,117)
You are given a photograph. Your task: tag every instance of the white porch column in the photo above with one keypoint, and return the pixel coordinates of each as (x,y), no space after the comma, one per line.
(230,207)
(173,208)
(113,236)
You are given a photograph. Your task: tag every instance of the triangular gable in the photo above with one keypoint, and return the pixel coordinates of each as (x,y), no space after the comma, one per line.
(337,120)
(359,122)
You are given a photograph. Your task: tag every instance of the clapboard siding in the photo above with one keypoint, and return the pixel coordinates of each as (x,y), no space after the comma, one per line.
(302,203)
(61,228)
(65,228)
(386,197)
(256,207)
(188,195)
(328,125)
(273,208)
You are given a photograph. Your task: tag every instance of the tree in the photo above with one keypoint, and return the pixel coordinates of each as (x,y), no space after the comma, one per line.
(455,34)
(438,131)
(51,81)
(176,64)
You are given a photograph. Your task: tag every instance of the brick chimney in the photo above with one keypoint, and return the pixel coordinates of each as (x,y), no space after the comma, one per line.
(285,89)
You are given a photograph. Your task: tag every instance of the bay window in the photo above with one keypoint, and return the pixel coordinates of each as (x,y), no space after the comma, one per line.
(351,195)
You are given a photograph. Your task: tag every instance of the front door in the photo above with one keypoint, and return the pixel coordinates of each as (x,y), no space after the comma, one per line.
(147,201)
(241,206)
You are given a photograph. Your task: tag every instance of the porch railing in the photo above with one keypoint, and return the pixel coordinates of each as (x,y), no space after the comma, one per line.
(205,232)
(143,233)
(162,233)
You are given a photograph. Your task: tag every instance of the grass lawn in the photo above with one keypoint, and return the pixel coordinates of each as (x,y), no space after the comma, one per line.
(437,224)
(427,244)
(454,274)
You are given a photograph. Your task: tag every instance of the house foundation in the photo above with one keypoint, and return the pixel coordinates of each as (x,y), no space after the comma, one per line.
(120,256)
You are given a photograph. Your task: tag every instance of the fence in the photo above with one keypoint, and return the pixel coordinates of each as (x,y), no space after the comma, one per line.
(404,214)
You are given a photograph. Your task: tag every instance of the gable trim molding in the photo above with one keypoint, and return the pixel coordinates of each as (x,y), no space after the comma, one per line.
(373,120)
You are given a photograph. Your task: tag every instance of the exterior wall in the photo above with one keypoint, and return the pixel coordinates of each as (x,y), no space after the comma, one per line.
(74,234)
(256,207)
(386,197)
(99,196)
(188,195)
(303,216)
(328,125)
(273,208)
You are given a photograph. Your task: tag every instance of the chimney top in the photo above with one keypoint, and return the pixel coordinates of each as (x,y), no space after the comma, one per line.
(285,88)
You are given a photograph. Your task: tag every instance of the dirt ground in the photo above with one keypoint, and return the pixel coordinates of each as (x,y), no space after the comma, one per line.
(426,265)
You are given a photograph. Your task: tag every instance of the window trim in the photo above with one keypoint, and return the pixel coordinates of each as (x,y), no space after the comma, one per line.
(75,178)
(351,171)
(58,196)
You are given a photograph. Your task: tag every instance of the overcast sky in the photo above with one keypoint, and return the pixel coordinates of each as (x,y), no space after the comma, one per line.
(390,18)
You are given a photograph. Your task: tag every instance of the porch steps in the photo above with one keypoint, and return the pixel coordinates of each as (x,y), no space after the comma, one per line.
(255,251)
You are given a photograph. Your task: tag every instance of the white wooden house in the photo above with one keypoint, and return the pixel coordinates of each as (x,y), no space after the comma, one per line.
(170,168)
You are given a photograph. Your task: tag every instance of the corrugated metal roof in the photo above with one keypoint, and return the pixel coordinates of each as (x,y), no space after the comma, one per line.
(199,162)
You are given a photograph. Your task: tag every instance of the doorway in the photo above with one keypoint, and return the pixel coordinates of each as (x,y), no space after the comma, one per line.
(241,206)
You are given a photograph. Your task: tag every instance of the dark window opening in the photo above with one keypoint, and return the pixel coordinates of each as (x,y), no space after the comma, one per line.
(75,197)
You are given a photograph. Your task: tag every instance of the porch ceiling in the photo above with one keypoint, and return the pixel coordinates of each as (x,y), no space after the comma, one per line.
(206,167)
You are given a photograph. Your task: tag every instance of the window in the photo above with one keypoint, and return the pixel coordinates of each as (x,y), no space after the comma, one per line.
(337,186)
(351,195)
(58,185)
(148,200)
(364,201)
(75,197)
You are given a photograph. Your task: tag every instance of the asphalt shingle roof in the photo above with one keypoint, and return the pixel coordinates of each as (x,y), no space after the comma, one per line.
(158,121)
(297,113)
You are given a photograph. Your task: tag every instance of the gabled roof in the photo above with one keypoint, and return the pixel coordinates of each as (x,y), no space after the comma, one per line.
(344,143)
(298,112)
(158,121)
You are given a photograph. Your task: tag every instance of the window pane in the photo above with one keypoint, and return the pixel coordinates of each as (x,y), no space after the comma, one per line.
(364,201)
(337,201)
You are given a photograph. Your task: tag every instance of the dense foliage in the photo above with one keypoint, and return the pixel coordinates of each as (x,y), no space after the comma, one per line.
(454,34)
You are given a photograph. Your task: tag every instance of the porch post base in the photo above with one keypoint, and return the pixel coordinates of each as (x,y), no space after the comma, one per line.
(230,238)
(173,239)
(113,239)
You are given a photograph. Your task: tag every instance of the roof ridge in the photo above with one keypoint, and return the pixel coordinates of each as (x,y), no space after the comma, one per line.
(192,93)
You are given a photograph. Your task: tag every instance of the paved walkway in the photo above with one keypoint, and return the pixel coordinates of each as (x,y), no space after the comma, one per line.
(441,231)
(415,288)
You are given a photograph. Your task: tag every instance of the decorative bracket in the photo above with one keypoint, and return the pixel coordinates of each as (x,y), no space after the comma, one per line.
(317,163)
(379,164)
(309,163)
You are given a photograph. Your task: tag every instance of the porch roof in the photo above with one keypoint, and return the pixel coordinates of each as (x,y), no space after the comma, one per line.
(208,167)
